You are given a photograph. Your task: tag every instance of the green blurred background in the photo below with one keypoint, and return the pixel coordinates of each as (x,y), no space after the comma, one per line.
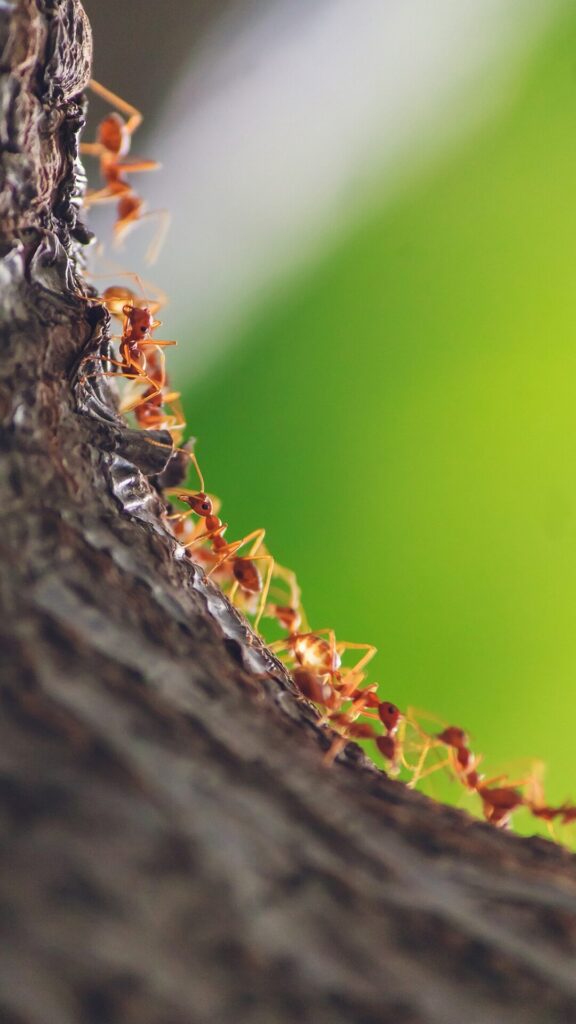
(400,416)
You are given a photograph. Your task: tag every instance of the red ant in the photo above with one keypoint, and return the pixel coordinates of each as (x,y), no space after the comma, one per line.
(498,802)
(388,714)
(463,761)
(244,570)
(318,659)
(138,324)
(317,674)
(113,142)
(149,405)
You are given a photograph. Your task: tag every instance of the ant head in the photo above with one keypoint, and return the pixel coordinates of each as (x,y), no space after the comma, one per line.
(390,715)
(113,136)
(200,503)
(140,320)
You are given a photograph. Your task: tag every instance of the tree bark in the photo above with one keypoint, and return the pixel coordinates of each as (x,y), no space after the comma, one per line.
(173,848)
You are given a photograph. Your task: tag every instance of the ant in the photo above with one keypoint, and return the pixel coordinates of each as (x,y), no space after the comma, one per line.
(316,669)
(460,757)
(135,363)
(498,802)
(243,567)
(317,658)
(389,744)
(149,406)
(113,140)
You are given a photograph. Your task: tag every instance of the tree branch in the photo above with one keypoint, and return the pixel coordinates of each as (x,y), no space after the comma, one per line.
(173,847)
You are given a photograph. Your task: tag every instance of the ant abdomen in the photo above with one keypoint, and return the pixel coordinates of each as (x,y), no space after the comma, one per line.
(313,686)
(246,575)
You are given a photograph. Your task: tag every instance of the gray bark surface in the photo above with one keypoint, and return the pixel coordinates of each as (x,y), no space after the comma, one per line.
(172,848)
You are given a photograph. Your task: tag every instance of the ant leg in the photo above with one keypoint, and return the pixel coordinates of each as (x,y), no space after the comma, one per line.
(257,536)
(338,744)
(92,148)
(289,577)
(265,588)
(134,115)
(123,226)
(356,670)
(104,195)
(164,218)
(140,401)
(178,417)
(279,646)
(146,288)
(194,462)
(419,774)
(135,166)
(154,341)
(171,397)
(136,373)
(105,360)
(428,744)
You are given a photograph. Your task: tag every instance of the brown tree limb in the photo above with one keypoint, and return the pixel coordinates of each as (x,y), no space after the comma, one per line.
(173,848)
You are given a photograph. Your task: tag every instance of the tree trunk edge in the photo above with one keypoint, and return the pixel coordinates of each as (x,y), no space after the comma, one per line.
(172,847)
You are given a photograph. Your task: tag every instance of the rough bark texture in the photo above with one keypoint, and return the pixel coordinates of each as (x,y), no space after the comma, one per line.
(172,847)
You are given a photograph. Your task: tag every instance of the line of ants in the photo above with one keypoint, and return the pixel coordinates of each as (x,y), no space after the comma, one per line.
(245,569)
